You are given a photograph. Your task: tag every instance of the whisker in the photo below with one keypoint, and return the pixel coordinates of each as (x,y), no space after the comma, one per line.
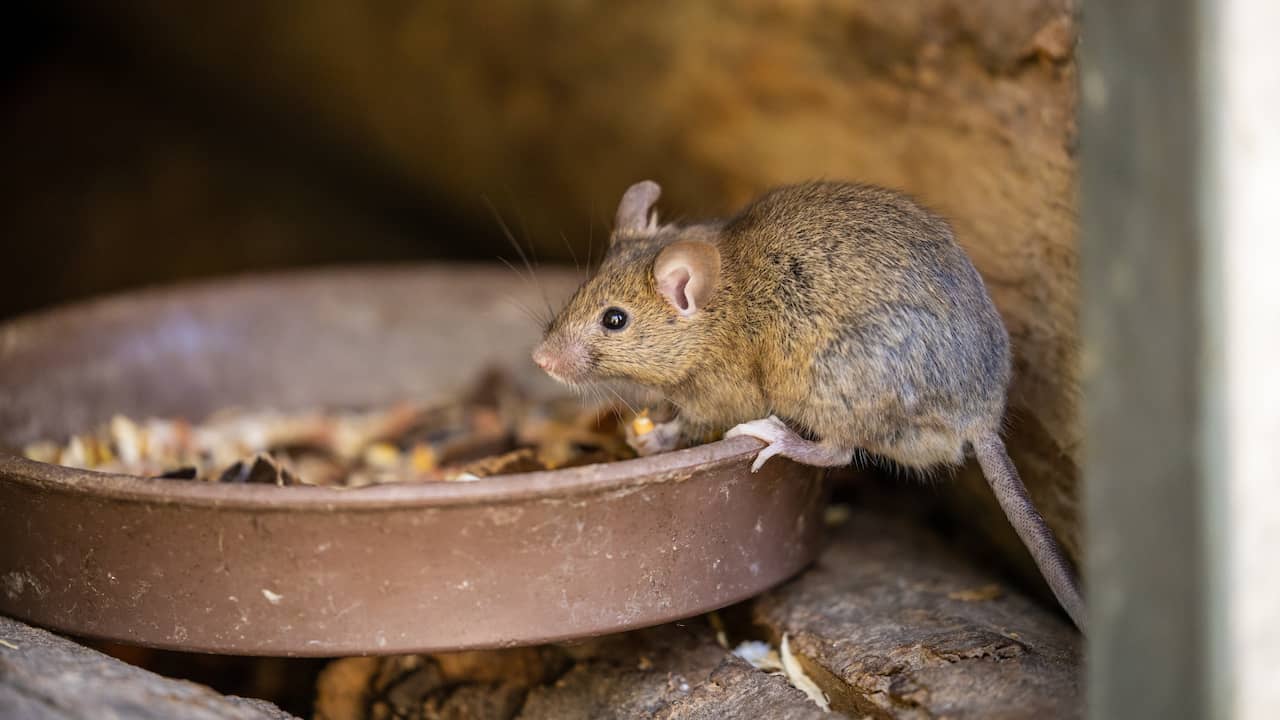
(511,238)
(622,400)
(577,267)
(591,226)
(612,406)
(541,320)
(532,280)
(513,268)
(524,229)
(533,248)
(525,310)
(533,251)
(589,396)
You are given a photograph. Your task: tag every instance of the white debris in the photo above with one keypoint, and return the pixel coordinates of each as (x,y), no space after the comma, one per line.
(795,673)
(762,655)
(128,439)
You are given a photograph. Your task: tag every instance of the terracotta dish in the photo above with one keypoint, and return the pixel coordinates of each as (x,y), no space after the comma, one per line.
(510,560)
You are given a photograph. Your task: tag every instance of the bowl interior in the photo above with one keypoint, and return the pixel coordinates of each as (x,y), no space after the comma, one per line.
(336,338)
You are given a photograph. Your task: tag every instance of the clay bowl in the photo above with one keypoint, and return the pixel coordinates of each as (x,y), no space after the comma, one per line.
(241,569)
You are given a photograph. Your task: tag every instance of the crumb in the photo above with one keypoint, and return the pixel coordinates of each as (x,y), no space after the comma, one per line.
(489,429)
(642,425)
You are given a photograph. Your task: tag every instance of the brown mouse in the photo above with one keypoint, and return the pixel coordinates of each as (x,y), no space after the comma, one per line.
(830,320)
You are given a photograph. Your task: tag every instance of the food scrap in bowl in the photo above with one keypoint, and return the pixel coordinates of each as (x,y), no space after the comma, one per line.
(492,429)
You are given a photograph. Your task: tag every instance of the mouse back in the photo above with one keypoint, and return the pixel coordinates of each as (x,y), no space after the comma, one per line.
(864,297)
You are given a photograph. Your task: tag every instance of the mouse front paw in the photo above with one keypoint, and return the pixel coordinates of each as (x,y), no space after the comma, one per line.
(782,440)
(664,437)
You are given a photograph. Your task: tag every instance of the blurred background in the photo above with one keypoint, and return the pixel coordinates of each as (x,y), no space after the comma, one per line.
(149,142)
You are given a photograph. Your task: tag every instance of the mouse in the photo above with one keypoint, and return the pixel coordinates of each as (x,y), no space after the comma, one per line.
(832,321)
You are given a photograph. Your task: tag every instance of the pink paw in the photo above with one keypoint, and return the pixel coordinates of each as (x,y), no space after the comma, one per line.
(784,441)
(772,431)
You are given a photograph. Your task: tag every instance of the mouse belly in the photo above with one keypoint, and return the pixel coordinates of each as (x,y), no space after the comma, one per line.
(920,448)
(889,430)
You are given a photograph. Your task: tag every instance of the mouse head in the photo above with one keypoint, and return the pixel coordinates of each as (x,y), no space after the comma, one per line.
(649,311)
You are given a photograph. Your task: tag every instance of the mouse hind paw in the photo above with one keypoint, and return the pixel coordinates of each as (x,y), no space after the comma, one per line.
(782,440)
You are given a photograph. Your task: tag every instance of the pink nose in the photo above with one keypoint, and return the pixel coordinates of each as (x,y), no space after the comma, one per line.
(561,361)
(542,358)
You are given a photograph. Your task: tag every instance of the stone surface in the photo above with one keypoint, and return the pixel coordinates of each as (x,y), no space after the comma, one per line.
(674,671)
(735,691)
(892,623)
(43,676)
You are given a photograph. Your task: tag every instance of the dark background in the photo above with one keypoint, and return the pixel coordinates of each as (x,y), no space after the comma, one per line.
(125,167)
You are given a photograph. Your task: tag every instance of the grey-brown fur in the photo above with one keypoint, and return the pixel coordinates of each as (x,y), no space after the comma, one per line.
(885,336)
(847,310)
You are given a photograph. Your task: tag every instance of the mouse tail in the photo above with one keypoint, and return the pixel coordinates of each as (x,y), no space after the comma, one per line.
(1029,524)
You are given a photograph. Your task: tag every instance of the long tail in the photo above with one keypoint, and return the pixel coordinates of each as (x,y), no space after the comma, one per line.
(1029,524)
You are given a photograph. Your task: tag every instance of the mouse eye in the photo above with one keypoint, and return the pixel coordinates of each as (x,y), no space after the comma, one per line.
(614,319)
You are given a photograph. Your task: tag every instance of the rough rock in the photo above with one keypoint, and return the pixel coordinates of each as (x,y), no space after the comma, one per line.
(43,676)
(892,623)
(674,671)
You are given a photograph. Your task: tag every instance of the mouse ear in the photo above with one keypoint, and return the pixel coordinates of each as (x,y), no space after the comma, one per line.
(635,211)
(687,273)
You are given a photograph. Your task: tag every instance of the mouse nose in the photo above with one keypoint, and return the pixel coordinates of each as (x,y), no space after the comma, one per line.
(563,361)
(542,358)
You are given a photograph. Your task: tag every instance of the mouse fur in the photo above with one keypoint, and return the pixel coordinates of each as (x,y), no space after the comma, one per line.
(826,318)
